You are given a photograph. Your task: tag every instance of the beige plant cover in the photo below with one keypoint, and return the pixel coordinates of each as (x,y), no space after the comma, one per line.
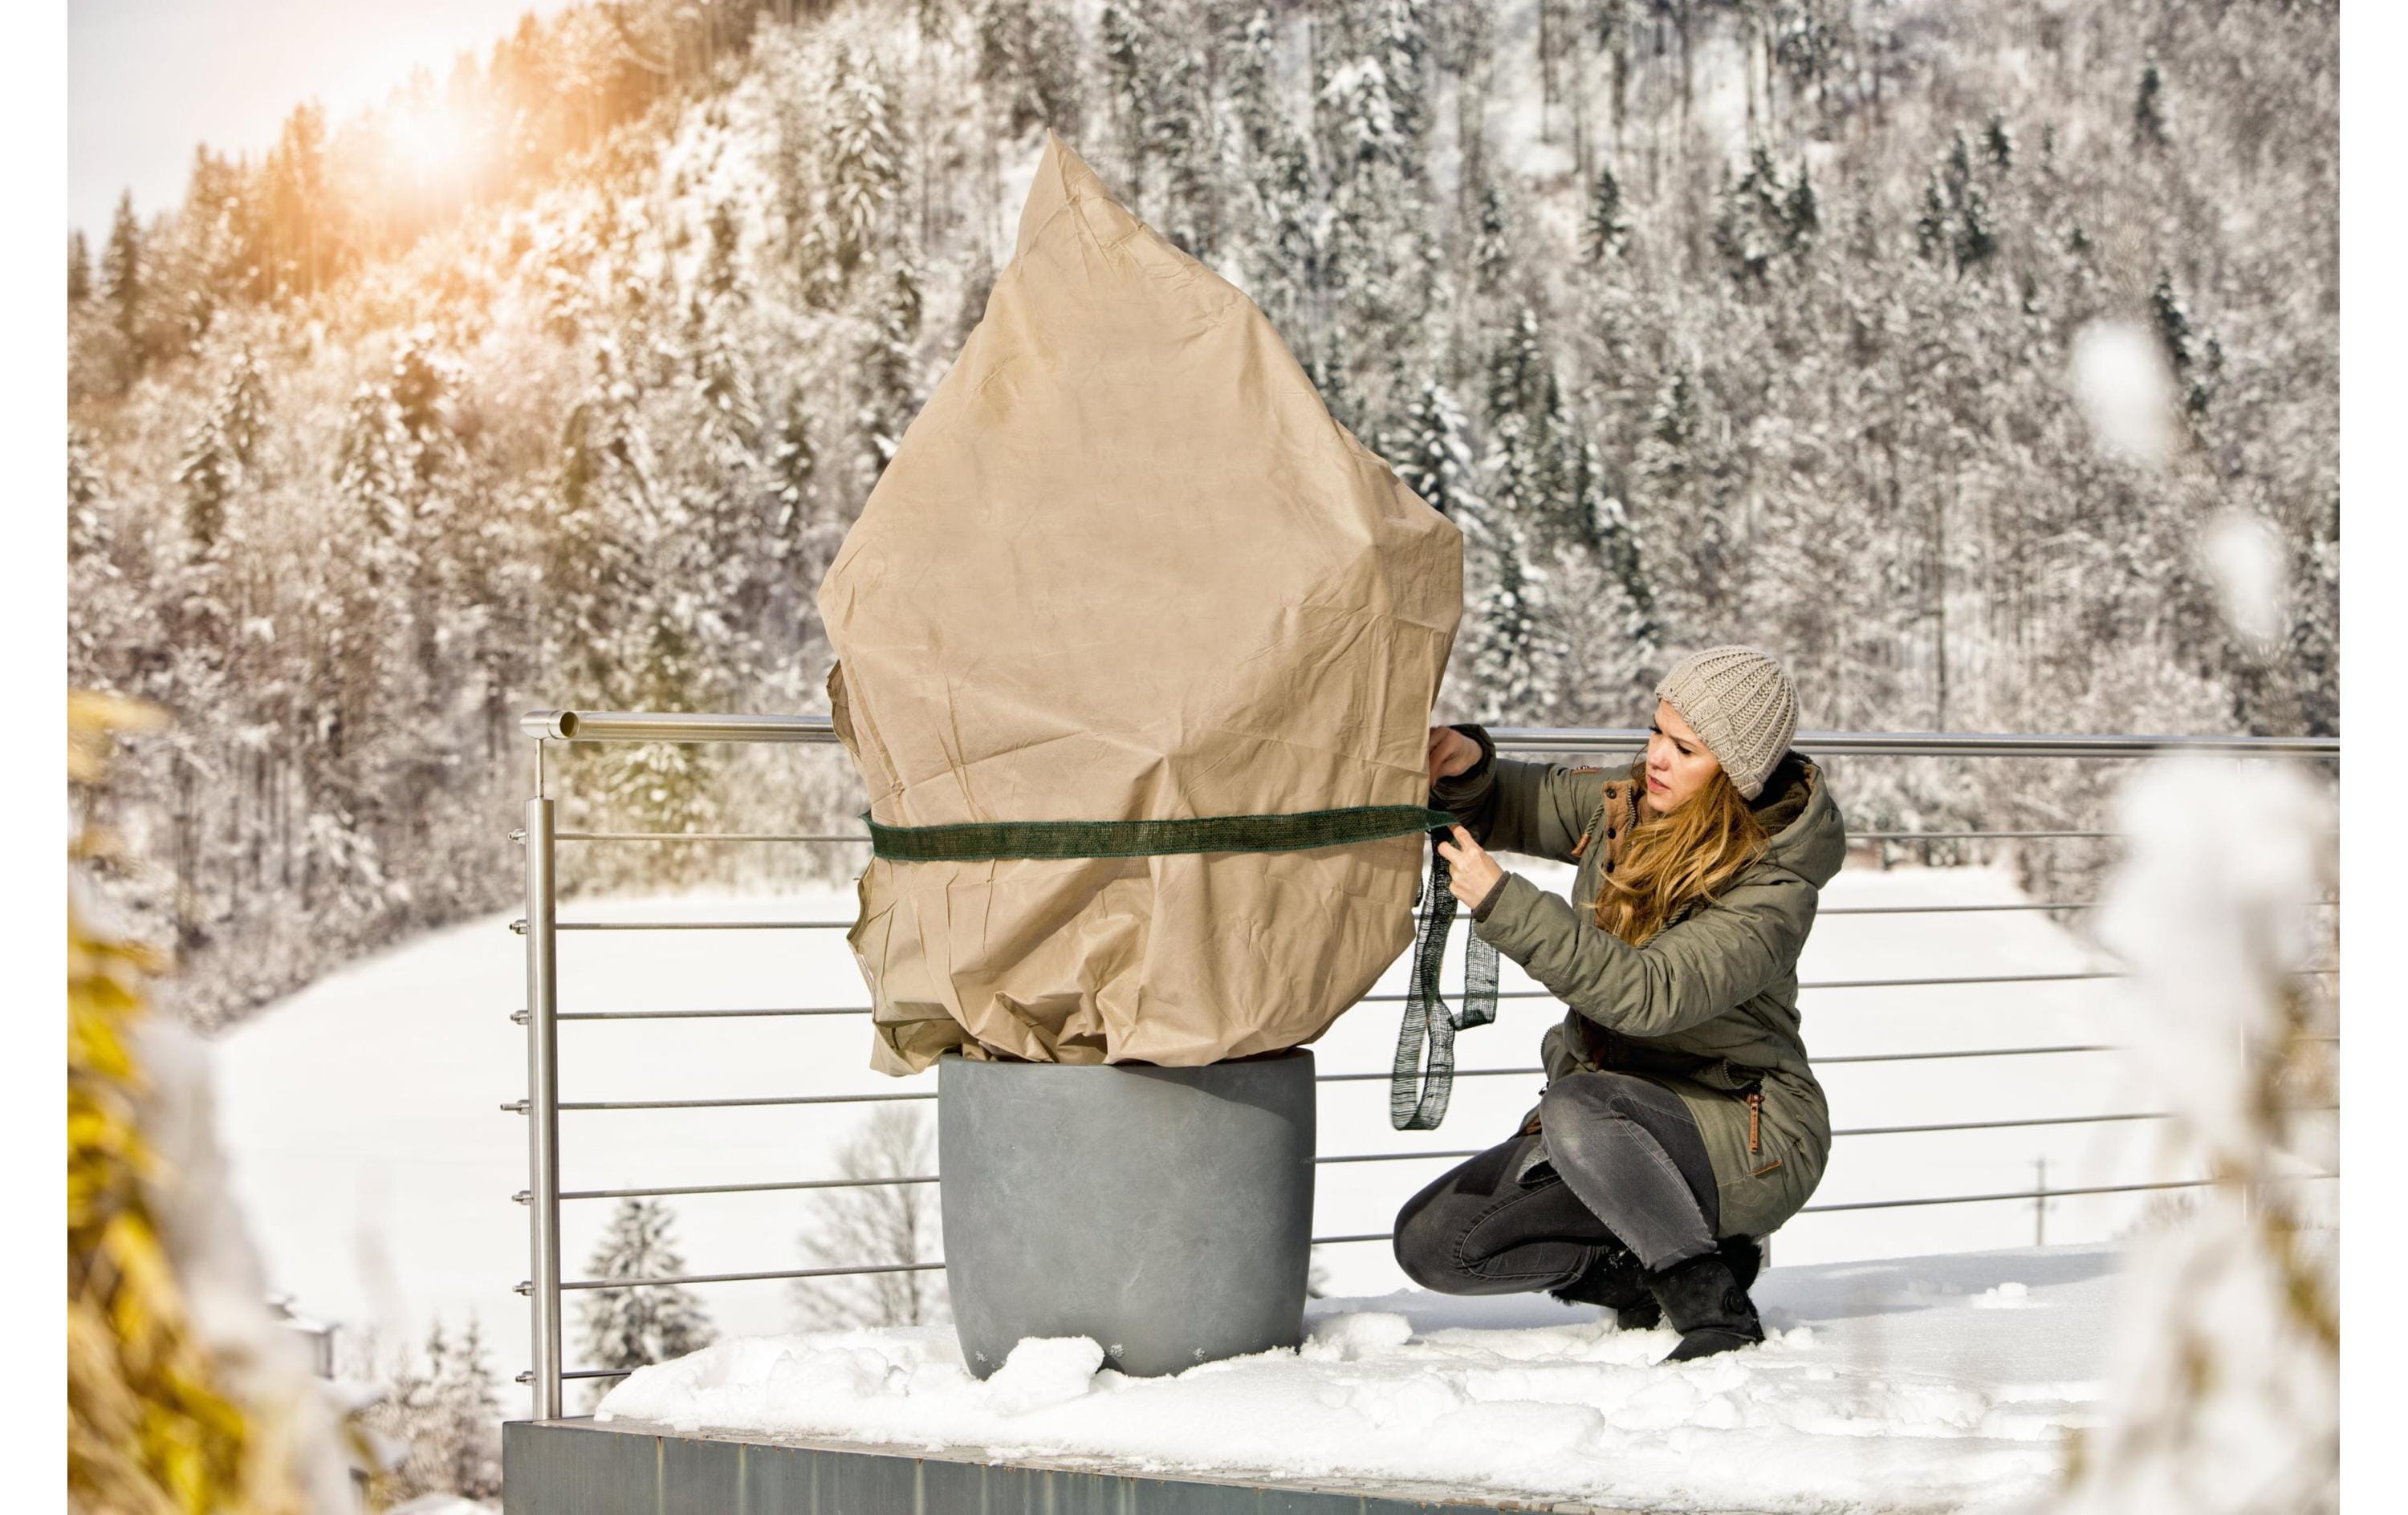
(1125,567)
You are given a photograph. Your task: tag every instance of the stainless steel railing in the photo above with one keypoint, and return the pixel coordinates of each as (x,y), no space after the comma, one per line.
(543,1016)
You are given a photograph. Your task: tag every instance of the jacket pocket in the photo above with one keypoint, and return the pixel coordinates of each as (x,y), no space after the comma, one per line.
(1731,1078)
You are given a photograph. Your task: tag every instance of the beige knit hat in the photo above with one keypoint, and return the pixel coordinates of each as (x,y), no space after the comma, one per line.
(1741,703)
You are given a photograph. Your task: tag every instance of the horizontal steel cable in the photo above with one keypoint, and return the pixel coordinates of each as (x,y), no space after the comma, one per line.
(519,1106)
(1455,1154)
(681,726)
(2017,1196)
(669,1280)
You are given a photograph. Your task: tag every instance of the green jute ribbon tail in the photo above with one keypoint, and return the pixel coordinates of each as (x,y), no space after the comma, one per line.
(987,840)
(1427,1020)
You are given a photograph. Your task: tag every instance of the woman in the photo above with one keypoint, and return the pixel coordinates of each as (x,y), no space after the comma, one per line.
(1679,1121)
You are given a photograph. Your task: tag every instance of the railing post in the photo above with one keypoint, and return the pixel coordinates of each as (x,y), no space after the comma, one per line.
(543,1104)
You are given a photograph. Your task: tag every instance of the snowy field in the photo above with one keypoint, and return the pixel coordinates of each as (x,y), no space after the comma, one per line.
(376,1167)
(1930,1384)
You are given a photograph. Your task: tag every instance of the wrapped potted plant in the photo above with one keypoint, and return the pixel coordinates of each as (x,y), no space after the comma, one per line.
(1137,653)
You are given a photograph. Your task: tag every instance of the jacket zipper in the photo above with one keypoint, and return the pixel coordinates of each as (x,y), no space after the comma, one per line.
(1754,1121)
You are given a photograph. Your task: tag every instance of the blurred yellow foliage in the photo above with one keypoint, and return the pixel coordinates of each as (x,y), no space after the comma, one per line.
(150,1430)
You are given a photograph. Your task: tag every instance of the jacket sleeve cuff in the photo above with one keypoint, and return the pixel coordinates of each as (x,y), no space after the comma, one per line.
(1511,916)
(1471,783)
(1488,901)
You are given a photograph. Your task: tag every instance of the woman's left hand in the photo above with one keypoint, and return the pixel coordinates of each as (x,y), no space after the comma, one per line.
(1471,873)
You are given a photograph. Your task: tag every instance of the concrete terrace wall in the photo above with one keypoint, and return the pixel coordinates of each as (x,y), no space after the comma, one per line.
(584,1467)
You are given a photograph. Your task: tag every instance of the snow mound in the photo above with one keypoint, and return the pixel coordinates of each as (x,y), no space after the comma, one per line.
(1043,1371)
(1348,1339)
(1926,1383)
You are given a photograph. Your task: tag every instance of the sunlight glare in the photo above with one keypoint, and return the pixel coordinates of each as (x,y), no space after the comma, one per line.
(431,140)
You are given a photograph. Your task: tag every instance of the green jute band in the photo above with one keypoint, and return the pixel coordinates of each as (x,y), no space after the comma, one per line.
(988,840)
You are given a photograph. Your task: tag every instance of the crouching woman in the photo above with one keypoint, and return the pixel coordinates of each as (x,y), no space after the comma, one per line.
(1680,1123)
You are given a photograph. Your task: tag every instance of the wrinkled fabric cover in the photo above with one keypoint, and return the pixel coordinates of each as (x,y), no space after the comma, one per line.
(1125,567)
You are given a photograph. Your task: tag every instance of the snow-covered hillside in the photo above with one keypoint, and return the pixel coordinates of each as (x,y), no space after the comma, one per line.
(1708,322)
(377,1168)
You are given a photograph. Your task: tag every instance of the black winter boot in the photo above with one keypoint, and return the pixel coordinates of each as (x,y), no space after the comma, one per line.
(1615,1281)
(1746,1259)
(1705,1303)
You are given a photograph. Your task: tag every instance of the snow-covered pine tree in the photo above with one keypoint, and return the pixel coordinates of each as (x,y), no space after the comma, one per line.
(631,1327)
(890,371)
(79,269)
(411,1413)
(87,532)
(242,406)
(1435,461)
(1997,141)
(121,276)
(2194,363)
(1278,248)
(1761,216)
(1374,273)
(1124,37)
(2149,124)
(723,269)
(604,484)
(209,474)
(866,157)
(468,1408)
(386,680)
(1466,47)
(1517,371)
(1514,663)
(1557,459)
(1955,223)
(1604,229)
(1615,545)
(1607,649)
(1029,61)
(794,480)
(1668,477)
(1402,44)
(1490,252)
(1183,131)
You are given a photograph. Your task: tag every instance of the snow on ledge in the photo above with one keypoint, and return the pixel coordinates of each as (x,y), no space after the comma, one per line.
(1920,1383)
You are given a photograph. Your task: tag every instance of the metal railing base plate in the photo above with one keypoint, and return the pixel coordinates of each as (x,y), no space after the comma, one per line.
(581,1467)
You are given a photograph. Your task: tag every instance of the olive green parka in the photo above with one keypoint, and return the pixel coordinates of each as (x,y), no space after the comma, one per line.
(1708,1006)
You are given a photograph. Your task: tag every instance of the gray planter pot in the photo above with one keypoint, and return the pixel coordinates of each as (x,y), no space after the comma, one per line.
(1165,1212)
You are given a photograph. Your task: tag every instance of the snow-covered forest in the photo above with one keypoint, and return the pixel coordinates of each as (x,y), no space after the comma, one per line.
(557,383)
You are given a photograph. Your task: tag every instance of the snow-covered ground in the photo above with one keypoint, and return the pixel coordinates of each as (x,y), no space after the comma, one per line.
(376,1167)
(1930,1383)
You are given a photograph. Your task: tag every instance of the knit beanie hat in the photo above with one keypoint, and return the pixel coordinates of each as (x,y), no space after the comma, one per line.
(1740,704)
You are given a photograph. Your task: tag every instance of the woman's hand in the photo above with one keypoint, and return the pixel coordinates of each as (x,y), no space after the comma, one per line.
(1471,873)
(1450,752)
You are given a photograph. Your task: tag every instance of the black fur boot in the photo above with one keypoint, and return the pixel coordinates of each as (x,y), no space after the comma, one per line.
(1746,1259)
(1614,1282)
(1706,1305)
(1617,1282)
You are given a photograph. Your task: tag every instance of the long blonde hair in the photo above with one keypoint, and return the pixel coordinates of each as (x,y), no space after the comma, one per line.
(1671,860)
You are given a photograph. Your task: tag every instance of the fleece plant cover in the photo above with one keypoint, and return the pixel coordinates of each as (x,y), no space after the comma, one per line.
(1124,568)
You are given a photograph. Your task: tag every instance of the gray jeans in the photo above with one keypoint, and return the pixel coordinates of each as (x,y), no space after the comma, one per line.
(1628,1167)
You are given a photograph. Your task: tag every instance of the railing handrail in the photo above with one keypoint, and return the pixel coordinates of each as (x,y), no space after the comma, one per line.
(670,726)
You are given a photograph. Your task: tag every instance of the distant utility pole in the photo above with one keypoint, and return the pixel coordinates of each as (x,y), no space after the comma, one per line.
(2040,1205)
